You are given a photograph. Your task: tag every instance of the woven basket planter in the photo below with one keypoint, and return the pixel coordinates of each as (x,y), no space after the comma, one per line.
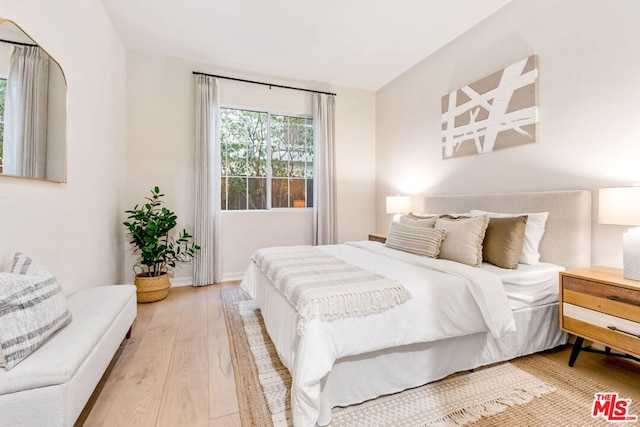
(151,289)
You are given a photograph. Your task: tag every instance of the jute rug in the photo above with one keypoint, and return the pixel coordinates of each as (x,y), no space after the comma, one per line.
(530,391)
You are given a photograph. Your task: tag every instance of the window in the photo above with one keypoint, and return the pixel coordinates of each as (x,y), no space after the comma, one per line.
(267,160)
(3,93)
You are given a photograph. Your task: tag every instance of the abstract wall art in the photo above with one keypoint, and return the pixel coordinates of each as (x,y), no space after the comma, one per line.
(496,112)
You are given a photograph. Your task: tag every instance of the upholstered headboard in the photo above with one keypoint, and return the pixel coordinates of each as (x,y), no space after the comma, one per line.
(567,237)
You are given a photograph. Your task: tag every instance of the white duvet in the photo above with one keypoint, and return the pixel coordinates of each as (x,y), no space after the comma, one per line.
(448,300)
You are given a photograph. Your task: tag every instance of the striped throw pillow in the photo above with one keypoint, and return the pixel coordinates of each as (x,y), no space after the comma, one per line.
(415,239)
(32,308)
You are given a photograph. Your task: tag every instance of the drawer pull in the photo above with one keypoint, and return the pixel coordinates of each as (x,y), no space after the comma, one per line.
(613,328)
(626,301)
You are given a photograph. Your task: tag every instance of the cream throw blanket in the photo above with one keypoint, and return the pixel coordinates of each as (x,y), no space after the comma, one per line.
(321,286)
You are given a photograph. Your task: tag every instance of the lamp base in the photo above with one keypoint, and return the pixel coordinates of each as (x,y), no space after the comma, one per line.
(631,254)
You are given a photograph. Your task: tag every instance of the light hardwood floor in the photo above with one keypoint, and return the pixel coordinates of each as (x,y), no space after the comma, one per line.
(176,368)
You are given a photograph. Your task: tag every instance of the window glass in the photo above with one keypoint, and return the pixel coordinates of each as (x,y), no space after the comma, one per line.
(267,160)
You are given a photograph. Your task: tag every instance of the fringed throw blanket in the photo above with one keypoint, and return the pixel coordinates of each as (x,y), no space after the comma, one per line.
(322,286)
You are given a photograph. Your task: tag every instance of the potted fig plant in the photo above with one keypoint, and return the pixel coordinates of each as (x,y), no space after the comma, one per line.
(149,228)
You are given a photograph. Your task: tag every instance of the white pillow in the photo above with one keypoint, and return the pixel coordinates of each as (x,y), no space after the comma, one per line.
(533,232)
(32,308)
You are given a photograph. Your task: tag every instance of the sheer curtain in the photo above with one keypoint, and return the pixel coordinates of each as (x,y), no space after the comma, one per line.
(207,263)
(25,131)
(324,208)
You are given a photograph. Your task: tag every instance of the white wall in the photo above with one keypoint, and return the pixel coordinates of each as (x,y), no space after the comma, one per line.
(160,104)
(73,229)
(588,135)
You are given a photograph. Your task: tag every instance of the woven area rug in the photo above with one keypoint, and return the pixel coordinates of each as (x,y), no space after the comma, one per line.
(530,391)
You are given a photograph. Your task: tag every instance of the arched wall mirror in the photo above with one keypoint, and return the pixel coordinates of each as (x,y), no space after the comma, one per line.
(33,109)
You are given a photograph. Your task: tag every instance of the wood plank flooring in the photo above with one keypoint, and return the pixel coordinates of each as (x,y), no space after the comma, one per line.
(176,369)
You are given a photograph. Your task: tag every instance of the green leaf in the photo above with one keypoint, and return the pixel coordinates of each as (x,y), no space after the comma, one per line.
(149,231)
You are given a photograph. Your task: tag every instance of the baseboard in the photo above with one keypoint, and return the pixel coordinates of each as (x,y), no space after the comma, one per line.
(177,282)
(233,276)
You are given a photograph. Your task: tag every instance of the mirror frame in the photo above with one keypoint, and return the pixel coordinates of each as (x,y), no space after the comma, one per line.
(66,107)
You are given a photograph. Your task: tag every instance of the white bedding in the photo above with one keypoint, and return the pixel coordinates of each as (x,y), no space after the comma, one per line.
(448,300)
(359,378)
(529,285)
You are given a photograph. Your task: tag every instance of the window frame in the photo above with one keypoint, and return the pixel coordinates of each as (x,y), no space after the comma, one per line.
(269,176)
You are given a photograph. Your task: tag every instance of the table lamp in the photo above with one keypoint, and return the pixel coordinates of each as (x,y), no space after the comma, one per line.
(398,205)
(621,206)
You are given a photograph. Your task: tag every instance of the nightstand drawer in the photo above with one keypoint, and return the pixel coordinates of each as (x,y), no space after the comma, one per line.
(378,237)
(601,297)
(599,304)
(618,333)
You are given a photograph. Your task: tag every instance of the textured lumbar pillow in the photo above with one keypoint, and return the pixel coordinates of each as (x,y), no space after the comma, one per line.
(32,308)
(419,240)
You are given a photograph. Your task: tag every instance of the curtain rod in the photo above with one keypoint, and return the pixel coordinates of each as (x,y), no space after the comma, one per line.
(18,43)
(262,83)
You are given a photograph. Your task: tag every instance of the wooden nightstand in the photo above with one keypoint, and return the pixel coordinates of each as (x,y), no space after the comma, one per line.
(599,304)
(378,237)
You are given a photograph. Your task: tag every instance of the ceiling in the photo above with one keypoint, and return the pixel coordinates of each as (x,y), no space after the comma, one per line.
(354,43)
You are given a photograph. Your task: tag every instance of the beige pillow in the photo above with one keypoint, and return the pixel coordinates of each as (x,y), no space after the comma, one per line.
(425,216)
(415,220)
(463,242)
(418,240)
(532,234)
(503,241)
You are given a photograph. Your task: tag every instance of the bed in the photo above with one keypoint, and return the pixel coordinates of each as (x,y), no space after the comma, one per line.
(467,317)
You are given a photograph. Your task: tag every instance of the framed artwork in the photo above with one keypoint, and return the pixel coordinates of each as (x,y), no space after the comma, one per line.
(494,113)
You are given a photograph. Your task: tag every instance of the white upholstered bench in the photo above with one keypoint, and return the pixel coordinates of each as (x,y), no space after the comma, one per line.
(52,385)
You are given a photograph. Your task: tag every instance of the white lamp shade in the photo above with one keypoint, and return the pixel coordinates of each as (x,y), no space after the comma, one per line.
(619,206)
(398,204)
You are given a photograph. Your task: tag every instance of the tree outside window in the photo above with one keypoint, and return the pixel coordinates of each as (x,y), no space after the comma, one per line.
(267,160)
